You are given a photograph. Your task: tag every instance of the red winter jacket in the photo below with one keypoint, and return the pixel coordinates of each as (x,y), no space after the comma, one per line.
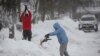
(26,20)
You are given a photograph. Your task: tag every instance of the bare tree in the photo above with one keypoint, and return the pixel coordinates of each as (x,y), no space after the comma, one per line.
(9,8)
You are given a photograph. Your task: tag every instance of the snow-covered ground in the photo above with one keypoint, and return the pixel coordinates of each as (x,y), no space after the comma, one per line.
(80,43)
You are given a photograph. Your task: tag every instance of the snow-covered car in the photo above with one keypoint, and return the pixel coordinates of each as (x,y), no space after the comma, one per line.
(88,22)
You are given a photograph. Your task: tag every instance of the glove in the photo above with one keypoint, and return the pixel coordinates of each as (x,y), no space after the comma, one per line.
(26,8)
(47,35)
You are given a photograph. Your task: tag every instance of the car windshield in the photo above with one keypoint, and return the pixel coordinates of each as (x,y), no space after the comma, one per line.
(87,19)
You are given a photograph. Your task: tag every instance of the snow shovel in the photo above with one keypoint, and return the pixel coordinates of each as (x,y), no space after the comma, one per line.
(44,40)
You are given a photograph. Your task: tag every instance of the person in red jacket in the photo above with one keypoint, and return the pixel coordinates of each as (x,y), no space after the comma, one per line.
(26,21)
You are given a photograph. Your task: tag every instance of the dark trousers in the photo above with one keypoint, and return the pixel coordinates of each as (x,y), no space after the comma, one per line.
(27,34)
(63,50)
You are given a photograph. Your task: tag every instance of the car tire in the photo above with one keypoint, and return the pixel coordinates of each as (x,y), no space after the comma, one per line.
(96,28)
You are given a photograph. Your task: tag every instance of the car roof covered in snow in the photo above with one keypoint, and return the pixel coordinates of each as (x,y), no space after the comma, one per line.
(88,15)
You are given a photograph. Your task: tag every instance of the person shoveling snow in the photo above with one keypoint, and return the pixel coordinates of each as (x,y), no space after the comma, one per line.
(62,38)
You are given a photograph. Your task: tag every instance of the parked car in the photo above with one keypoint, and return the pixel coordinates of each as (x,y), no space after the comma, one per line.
(88,22)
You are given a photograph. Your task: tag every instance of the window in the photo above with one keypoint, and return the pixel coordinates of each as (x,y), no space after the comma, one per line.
(87,19)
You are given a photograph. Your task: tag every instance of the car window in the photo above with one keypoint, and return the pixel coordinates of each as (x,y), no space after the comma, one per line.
(87,18)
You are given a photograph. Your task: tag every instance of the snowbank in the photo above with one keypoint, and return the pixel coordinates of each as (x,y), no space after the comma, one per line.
(11,47)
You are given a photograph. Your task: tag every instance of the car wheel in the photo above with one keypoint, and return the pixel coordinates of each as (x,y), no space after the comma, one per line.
(96,28)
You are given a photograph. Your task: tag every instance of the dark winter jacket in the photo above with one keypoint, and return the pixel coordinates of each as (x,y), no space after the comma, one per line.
(26,20)
(61,35)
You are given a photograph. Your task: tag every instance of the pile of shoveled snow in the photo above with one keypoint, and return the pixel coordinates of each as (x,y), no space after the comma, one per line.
(10,47)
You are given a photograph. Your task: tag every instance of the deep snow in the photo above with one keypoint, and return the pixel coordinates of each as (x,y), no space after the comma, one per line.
(80,43)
